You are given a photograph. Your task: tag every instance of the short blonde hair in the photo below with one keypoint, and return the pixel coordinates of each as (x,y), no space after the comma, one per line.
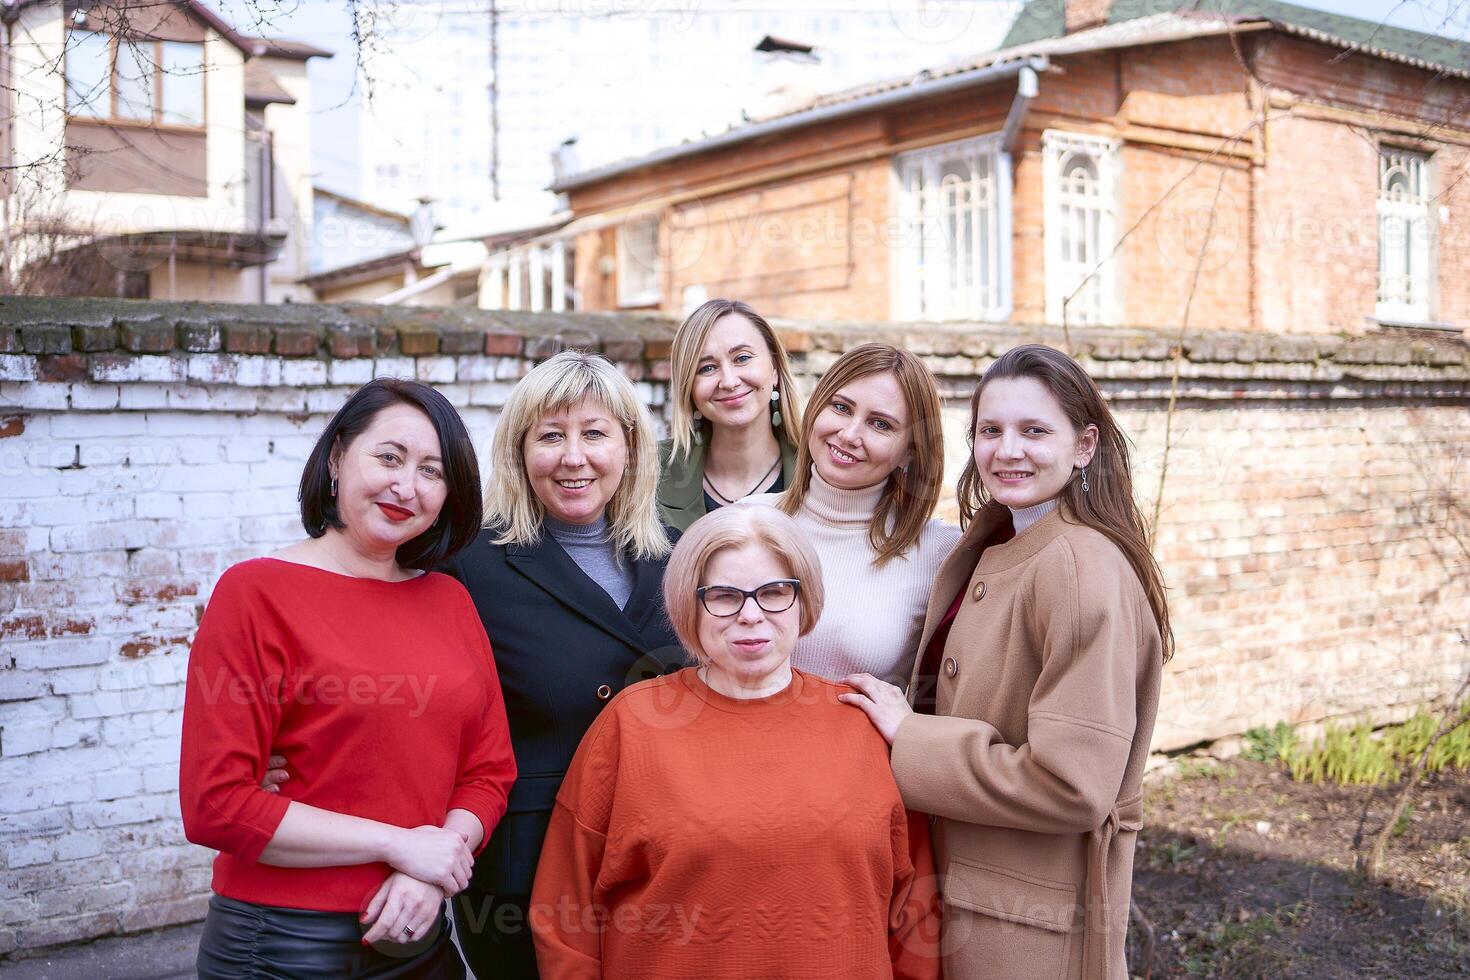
(563,380)
(731,527)
(689,343)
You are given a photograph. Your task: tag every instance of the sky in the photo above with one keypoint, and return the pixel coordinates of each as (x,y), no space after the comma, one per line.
(336,122)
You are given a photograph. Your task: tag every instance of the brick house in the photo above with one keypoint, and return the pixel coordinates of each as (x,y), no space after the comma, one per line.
(152,150)
(1074,174)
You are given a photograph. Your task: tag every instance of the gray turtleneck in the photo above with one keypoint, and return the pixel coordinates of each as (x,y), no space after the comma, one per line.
(597,556)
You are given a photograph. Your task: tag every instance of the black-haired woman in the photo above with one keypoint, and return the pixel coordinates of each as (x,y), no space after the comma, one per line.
(376,677)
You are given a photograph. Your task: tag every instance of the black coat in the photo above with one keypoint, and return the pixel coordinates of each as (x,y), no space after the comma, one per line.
(562,649)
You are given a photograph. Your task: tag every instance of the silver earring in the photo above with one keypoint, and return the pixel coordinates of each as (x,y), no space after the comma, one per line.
(775,408)
(1085,487)
(334,487)
(698,432)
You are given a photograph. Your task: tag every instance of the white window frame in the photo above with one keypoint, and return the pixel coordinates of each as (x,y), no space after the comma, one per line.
(1412,299)
(927,290)
(1099,223)
(628,295)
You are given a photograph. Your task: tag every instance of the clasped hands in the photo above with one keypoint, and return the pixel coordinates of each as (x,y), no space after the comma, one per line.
(430,863)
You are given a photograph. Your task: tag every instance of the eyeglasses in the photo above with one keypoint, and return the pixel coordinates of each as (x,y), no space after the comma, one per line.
(726,600)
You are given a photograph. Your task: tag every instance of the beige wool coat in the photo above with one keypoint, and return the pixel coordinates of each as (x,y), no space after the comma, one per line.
(1033,764)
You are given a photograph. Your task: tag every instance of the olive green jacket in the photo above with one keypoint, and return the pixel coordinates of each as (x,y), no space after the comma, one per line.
(681,482)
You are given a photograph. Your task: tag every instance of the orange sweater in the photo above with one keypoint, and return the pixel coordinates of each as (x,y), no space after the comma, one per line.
(698,835)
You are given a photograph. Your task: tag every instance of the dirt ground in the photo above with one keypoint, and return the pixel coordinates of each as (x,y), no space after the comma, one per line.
(1244,873)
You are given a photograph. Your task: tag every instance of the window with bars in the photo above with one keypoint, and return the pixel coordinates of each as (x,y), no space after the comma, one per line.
(1079,187)
(953,254)
(1405,236)
(135,80)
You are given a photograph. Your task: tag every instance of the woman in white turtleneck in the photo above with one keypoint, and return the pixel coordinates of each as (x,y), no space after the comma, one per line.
(869,467)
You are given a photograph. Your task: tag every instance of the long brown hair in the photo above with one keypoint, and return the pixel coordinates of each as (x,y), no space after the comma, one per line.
(684,362)
(1108,505)
(909,496)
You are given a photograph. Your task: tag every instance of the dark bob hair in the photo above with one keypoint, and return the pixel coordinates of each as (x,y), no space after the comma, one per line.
(458,522)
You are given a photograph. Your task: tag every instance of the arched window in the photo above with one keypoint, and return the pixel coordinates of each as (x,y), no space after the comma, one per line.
(952,257)
(1405,236)
(1080,215)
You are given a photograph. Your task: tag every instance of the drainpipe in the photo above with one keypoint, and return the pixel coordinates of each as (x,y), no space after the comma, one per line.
(1026,88)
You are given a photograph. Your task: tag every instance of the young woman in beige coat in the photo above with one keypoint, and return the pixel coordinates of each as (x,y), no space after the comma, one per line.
(1029,715)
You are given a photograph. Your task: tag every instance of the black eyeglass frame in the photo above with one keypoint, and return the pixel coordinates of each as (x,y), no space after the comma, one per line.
(745,594)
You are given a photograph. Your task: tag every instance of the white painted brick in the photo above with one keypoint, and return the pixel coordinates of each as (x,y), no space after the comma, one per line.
(93,397)
(159,505)
(17,367)
(74,847)
(198,450)
(139,809)
(136,397)
(116,785)
(258,503)
(230,399)
(457,395)
(357,371)
(198,533)
(44,654)
(274,473)
(72,733)
(303,374)
(213,369)
(87,425)
(247,449)
(212,504)
(152,563)
(258,372)
(27,853)
(100,537)
(170,425)
(190,397)
(271,530)
(24,739)
(490,393)
(73,680)
(74,510)
(16,824)
(509,368)
(280,400)
(46,396)
(161,779)
(393,367)
(326,401)
(16,482)
(435,370)
(474,368)
(217,476)
(17,685)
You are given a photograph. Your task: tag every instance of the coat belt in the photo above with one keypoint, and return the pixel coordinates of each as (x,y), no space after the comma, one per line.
(1102,947)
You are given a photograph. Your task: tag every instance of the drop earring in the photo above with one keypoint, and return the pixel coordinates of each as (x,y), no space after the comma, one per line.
(1085,487)
(333,490)
(775,408)
(698,432)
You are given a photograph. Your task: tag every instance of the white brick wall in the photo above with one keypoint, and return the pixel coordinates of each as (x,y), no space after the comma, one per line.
(1309,580)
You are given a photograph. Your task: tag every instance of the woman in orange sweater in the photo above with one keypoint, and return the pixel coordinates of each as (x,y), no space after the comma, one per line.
(734,819)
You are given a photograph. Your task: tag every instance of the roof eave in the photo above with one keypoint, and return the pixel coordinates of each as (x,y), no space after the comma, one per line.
(986,75)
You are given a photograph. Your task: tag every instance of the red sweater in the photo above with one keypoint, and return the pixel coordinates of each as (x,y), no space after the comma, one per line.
(382,695)
(698,835)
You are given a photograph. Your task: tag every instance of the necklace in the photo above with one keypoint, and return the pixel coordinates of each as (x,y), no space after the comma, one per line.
(758,484)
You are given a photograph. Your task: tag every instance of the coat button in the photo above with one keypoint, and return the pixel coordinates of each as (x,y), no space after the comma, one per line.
(950,667)
(604,692)
(979,591)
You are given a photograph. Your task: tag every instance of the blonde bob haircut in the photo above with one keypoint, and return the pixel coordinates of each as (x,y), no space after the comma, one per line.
(689,343)
(911,493)
(731,527)
(558,383)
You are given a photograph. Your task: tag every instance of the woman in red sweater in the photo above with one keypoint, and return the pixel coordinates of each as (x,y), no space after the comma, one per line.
(735,820)
(377,679)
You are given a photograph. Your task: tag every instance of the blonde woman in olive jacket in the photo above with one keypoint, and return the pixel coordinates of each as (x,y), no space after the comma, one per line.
(1037,684)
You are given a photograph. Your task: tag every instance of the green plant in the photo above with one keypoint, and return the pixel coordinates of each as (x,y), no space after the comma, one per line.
(1269,744)
(1348,756)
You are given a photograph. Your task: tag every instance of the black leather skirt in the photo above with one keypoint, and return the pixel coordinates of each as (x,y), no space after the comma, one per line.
(245,941)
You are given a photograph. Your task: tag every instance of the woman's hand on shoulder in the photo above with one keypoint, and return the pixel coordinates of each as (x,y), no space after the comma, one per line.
(403,910)
(884,704)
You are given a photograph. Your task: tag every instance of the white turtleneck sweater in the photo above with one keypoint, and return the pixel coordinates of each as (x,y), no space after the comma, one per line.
(873,616)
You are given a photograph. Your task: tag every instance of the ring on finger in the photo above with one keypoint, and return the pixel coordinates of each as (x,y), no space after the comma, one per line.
(408,931)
